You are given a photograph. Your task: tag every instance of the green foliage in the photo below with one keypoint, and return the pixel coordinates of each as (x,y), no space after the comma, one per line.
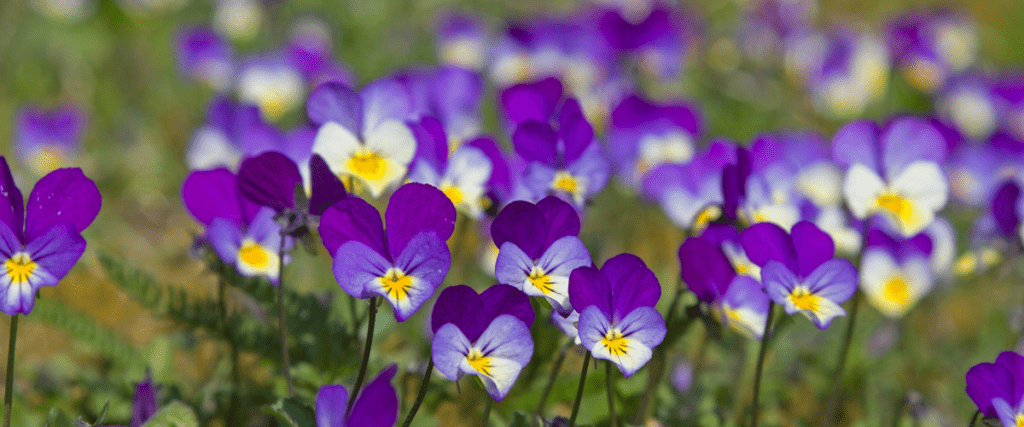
(292,413)
(174,414)
(84,329)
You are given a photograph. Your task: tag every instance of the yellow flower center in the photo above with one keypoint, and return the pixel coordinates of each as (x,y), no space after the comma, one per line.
(47,159)
(706,216)
(899,206)
(368,165)
(396,283)
(20,268)
(274,105)
(253,254)
(478,361)
(540,280)
(896,291)
(564,181)
(454,194)
(1020,420)
(803,299)
(615,343)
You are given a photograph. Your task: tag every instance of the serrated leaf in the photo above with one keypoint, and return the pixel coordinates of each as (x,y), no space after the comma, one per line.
(175,414)
(292,412)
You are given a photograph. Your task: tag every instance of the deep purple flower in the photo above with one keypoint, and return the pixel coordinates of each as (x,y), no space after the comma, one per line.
(404,263)
(998,388)
(798,270)
(894,170)
(376,405)
(1006,210)
(976,170)
(969,104)
(704,268)
(930,46)
(271,179)
(657,36)
(1009,93)
(539,248)
(462,174)
(144,402)
(644,135)
(618,321)
(896,272)
(47,140)
(204,56)
(309,49)
(232,131)
(39,243)
(486,335)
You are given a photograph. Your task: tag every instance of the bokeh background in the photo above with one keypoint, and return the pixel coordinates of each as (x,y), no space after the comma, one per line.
(89,341)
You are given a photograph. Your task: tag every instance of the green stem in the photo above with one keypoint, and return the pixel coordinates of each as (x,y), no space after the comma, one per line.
(421,394)
(611,394)
(844,351)
(487,412)
(372,314)
(974,419)
(760,361)
(233,400)
(579,392)
(9,385)
(282,323)
(551,380)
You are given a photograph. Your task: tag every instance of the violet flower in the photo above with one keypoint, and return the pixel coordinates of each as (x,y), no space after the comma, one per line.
(744,307)
(362,136)
(894,170)
(487,335)
(232,131)
(204,56)
(39,243)
(930,46)
(309,49)
(404,263)
(452,95)
(272,82)
(144,402)
(273,179)
(799,272)
(659,41)
(462,40)
(376,405)
(896,272)
(462,174)
(996,388)
(539,248)
(968,103)
(691,194)
(47,140)
(844,70)
(644,135)
(618,321)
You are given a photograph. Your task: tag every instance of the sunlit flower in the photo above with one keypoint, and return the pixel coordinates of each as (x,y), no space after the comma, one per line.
(462,175)
(644,135)
(204,56)
(691,194)
(272,82)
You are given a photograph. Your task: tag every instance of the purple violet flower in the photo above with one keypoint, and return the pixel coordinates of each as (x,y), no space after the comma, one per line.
(232,131)
(47,140)
(403,263)
(798,270)
(844,70)
(271,180)
(644,135)
(39,243)
(998,388)
(618,321)
(144,402)
(487,335)
(969,104)
(462,40)
(691,194)
(896,272)
(930,46)
(376,405)
(462,174)
(539,248)
(204,56)
(272,82)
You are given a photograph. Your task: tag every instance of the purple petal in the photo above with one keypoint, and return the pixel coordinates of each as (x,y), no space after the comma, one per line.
(907,140)
(747,293)
(327,188)
(1013,362)
(778,281)
(813,247)
(522,224)
(431,143)
(213,194)
(1004,208)
(335,102)
(988,381)
(427,260)
(504,299)
(574,130)
(12,206)
(9,243)
(226,238)
(718,234)
(857,143)
(269,180)
(501,178)
(330,405)
(704,269)
(765,242)
(352,219)
(356,266)
(456,91)
(448,349)
(253,133)
(734,182)
(835,279)
(633,284)
(531,101)
(508,340)
(461,306)
(384,100)
(589,288)
(377,404)
(562,219)
(64,195)
(55,252)
(414,208)
(144,402)
(536,142)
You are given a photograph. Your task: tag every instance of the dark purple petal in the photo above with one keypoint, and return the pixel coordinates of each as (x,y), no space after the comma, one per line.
(431,143)
(536,142)
(144,402)
(574,130)
(765,242)
(588,287)
(857,142)
(327,188)
(64,195)
(633,284)
(269,179)
(624,34)
(504,299)
(352,219)
(213,194)
(416,207)
(734,183)
(988,381)
(330,405)
(1004,208)
(461,306)
(335,102)
(523,224)
(812,246)
(377,404)
(532,101)
(1014,363)
(561,218)
(56,252)
(704,268)
(720,233)
(12,206)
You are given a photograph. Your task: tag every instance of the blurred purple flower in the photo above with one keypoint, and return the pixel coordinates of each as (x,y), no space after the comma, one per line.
(644,135)
(843,70)
(998,388)
(271,81)
(462,40)
(931,46)
(770,25)
(144,402)
(462,174)
(376,405)
(309,49)
(47,140)
(968,103)
(204,56)
(896,272)
(232,131)
(691,194)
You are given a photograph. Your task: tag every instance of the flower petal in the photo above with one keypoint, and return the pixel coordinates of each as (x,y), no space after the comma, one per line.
(857,143)
(835,280)
(589,288)
(562,219)
(214,194)
(812,247)
(987,381)
(558,262)
(908,140)
(523,225)
(704,268)
(925,187)
(269,179)
(330,405)
(336,144)
(766,242)
(335,102)
(431,142)
(12,206)
(861,188)
(385,100)
(54,254)
(536,142)
(779,283)
(358,267)
(415,208)
(327,189)
(532,101)
(352,219)
(393,140)
(504,299)
(377,403)
(508,346)
(1014,362)
(226,239)
(633,284)
(461,306)
(64,195)
(448,349)
(641,331)
(425,261)
(745,306)
(574,130)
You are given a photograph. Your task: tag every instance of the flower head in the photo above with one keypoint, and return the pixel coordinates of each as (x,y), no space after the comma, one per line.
(644,135)
(39,243)
(487,335)
(232,131)
(896,272)
(998,388)
(618,321)
(930,46)
(272,82)
(462,174)
(47,140)
(204,56)
(376,405)
(691,194)
(403,263)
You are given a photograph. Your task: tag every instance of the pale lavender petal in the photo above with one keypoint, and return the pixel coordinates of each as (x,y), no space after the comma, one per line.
(427,259)
(509,346)
(857,143)
(377,403)
(414,208)
(55,253)
(384,100)
(778,281)
(330,405)
(512,266)
(835,279)
(64,195)
(356,266)
(226,239)
(335,102)
(448,348)
(910,139)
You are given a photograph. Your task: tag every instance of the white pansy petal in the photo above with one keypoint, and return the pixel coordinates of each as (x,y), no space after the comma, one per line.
(210,148)
(392,140)
(336,145)
(861,188)
(469,168)
(876,266)
(923,184)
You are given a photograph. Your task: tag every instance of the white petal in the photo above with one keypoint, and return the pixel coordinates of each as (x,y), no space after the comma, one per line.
(210,148)
(392,140)
(924,184)
(336,145)
(861,189)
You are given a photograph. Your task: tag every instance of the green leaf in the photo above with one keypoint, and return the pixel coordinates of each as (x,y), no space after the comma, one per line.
(58,418)
(292,413)
(519,420)
(175,414)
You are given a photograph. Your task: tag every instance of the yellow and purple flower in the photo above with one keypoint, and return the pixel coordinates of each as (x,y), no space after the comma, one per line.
(462,174)
(930,46)
(998,388)
(644,135)
(204,56)
(691,194)
(47,140)
(896,272)
(376,405)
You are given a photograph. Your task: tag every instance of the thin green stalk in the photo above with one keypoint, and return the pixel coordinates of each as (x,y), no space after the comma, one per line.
(837,385)
(760,362)
(539,411)
(579,392)
(282,324)
(233,400)
(487,412)
(974,419)
(611,393)
(372,314)
(421,394)
(9,385)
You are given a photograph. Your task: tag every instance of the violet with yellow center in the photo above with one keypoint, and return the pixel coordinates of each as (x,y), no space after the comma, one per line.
(463,173)
(896,272)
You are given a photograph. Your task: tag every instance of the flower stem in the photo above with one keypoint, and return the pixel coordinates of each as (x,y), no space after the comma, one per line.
(579,392)
(611,394)
(551,380)
(760,361)
(233,402)
(421,394)
(9,385)
(282,323)
(974,419)
(844,351)
(487,412)
(372,314)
